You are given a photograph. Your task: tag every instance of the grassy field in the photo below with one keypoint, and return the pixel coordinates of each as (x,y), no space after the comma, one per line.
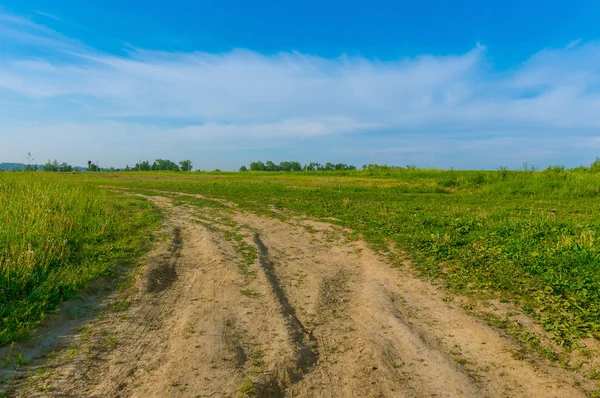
(55,237)
(525,236)
(520,235)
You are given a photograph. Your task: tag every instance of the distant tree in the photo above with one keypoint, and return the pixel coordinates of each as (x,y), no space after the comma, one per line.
(93,167)
(51,166)
(186,165)
(243,168)
(142,166)
(65,167)
(61,167)
(257,166)
(270,166)
(295,166)
(164,164)
(284,166)
(29,159)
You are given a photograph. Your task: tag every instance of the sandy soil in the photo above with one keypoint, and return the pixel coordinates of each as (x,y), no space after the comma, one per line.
(317,314)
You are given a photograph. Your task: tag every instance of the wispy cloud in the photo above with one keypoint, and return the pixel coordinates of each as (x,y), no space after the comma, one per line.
(48,15)
(21,31)
(243,100)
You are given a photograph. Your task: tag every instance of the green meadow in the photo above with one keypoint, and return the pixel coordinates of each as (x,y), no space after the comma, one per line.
(526,236)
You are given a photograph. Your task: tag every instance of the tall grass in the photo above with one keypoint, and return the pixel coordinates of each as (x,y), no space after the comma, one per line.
(55,236)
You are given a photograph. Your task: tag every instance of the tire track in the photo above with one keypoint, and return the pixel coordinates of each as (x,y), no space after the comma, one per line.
(144,332)
(306,347)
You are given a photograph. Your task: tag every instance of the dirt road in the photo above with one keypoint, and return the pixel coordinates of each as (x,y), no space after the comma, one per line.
(233,303)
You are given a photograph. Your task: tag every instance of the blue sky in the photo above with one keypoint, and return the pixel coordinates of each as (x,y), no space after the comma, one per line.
(468,84)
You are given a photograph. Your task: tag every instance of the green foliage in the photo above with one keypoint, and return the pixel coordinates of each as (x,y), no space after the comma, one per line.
(161,165)
(595,167)
(247,388)
(55,236)
(57,167)
(186,165)
(164,164)
(296,166)
(250,293)
(142,166)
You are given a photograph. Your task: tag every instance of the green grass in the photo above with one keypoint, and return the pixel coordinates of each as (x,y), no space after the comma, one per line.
(526,236)
(250,293)
(55,237)
(521,235)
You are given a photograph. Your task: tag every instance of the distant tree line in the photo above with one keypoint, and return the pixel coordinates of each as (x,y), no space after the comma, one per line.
(372,167)
(185,165)
(55,166)
(64,167)
(296,166)
(157,165)
(161,165)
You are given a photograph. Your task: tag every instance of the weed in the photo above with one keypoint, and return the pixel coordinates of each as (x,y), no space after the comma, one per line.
(247,388)
(250,293)
(84,333)
(110,341)
(21,360)
(256,363)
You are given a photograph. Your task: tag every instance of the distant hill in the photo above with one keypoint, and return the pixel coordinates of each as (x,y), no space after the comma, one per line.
(21,166)
(15,166)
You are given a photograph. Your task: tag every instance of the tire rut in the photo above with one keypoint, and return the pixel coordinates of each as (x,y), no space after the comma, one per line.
(306,348)
(162,274)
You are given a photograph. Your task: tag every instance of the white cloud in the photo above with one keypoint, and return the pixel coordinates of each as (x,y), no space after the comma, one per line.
(48,15)
(243,100)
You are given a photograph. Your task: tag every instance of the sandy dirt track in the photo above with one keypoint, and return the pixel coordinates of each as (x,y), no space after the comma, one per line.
(316,314)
